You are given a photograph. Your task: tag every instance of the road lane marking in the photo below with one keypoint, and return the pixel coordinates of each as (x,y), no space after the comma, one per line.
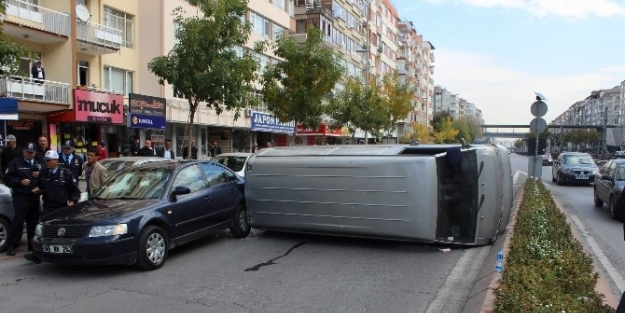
(456,288)
(515,177)
(616,277)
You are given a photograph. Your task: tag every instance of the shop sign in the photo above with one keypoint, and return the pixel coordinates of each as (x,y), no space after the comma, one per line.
(269,123)
(8,109)
(147,104)
(98,107)
(147,121)
(322,130)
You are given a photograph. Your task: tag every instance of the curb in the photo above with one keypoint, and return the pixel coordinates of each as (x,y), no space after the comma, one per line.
(482,297)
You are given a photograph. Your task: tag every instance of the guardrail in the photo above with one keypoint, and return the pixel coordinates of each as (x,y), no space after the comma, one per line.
(36,90)
(98,34)
(37,16)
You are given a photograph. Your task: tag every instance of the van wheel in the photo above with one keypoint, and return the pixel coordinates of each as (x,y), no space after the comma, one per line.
(153,248)
(241,225)
(5,227)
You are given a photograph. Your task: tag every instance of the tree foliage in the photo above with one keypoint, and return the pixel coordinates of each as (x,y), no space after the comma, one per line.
(464,131)
(577,136)
(446,132)
(11,53)
(518,143)
(439,119)
(419,133)
(396,100)
(296,88)
(544,135)
(359,105)
(204,66)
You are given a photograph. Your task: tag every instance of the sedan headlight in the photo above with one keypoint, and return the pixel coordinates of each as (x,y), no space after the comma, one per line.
(108,230)
(39,230)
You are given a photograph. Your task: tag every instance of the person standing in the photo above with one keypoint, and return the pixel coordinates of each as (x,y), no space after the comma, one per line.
(42,147)
(147,149)
(95,173)
(215,150)
(57,185)
(21,176)
(70,160)
(255,147)
(185,151)
(38,73)
(166,152)
(134,147)
(10,152)
(101,151)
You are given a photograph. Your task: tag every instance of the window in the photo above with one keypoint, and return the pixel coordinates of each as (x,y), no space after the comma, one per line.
(189,177)
(214,175)
(117,80)
(279,4)
(83,2)
(122,21)
(176,28)
(260,25)
(277,31)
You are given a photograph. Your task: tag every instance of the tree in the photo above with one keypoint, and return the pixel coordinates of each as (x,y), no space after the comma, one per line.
(446,132)
(204,66)
(439,118)
(518,143)
(396,99)
(359,105)
(419,133)
(463,129)
(296,88)
(11,53)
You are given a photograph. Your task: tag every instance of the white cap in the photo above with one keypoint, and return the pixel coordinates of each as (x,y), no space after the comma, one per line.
(51,155)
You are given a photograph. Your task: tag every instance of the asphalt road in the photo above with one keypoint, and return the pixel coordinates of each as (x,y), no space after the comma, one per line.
(266,272)
(601,235)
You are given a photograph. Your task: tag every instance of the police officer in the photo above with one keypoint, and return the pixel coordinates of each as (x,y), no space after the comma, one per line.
(21,176)
(57,185)
(70,160)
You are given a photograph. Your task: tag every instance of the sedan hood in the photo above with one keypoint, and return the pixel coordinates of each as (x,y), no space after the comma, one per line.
(580,166)
(97,211)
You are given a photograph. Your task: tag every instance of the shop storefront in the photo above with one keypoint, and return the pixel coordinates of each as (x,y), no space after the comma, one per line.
(95,117)
(147,115)
(25,129)
(267,128)
(323,135)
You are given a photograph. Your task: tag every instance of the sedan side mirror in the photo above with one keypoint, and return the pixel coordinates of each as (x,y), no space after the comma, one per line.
(180,190)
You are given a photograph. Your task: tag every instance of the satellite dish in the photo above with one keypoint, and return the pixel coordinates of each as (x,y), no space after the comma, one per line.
(82,13)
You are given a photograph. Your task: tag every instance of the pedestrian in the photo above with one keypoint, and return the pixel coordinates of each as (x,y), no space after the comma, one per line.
(166,152)
(147,149)
(38,73)
(42,147)
(134,147)
(101,151)
(70,160)
(255,147)
(57,185)
(21,176)
(95,173)
(185,151)
(269,145)
(215,150)
(10,152)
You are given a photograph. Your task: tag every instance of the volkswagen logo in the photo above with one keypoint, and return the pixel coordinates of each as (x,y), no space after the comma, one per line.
(61,232)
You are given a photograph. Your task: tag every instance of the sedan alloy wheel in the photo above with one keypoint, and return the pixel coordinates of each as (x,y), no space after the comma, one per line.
(153,248)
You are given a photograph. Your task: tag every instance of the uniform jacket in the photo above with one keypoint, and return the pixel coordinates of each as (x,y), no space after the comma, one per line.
(9,155)
(58,188)
(20,169)
(99,175)
(75,165)
(40,154)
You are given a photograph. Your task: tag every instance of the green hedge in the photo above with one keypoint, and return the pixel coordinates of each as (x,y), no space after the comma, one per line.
(546,269)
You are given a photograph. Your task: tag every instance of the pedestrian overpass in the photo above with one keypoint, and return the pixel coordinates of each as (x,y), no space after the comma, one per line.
(519,131)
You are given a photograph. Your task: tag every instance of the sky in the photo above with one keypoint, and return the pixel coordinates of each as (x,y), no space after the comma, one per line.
(497,53)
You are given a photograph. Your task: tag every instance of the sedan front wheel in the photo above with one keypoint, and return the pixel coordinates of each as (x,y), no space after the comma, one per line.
(241,225)
(153,248)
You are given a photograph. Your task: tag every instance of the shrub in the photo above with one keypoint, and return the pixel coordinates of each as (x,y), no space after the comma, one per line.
(546,269)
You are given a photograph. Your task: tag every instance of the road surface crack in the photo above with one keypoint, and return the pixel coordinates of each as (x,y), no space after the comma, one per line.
(271,262)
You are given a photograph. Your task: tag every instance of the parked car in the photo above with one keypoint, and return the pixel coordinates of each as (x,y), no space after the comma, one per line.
(234,161)
(574,168)
(142,213)
(114,165)
(547,160)
(6,215)
(609,184)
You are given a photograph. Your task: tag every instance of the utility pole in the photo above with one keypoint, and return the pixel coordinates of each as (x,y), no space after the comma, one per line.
(604,144)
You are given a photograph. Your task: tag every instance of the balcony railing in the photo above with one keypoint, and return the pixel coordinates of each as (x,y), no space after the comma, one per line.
(98,34)
(22,12)
(35,90)
(318,9)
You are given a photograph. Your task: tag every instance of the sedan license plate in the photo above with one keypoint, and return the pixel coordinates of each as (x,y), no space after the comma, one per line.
(60,249)
(581,176)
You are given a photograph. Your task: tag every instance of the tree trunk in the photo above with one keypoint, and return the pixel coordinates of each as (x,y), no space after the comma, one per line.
(190,126)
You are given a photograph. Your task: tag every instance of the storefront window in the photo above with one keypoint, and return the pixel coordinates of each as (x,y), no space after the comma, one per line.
(25,131)
(84,136)
(241,141)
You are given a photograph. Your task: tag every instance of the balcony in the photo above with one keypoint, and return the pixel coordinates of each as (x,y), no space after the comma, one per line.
(35,23)
(24,88)
(301,38)
(96,39)
(319,9)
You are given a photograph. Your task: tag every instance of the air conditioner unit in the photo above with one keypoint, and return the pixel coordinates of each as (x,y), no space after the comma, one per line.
(247,112)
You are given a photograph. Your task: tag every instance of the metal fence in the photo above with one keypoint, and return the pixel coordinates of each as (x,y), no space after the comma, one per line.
(35,90)
(37,16)
(98,34)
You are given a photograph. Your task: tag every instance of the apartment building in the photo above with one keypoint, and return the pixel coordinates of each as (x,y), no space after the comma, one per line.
(89,59)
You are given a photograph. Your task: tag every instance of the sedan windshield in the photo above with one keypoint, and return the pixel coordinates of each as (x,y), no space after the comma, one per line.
(234,163)
(578,159)
(137,183)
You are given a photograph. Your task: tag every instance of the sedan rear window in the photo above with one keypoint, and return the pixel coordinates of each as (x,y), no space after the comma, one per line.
(578,159)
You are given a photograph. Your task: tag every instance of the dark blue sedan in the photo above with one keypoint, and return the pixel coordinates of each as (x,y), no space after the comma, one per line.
(142,213)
